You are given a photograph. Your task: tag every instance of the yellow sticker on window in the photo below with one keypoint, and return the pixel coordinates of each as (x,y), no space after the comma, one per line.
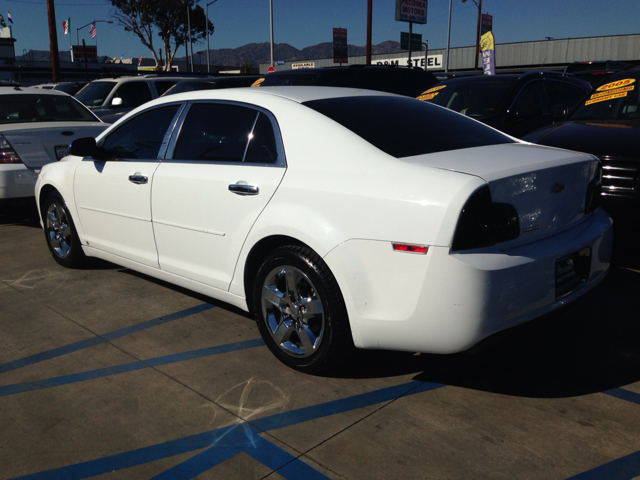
(611,92)
(606,97)
(257,82)
(434,89)
(616,84)
(428,96)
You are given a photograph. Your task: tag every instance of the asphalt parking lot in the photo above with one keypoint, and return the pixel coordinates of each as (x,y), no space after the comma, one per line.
(106,372)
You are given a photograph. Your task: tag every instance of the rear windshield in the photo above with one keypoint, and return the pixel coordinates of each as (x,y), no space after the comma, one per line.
(403,127)
(95,93)
(291,79)
(42,108)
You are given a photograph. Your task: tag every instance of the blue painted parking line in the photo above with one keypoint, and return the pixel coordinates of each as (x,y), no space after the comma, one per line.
(74,347)
(623,394)
(127,367)
(236,433)
(624,468)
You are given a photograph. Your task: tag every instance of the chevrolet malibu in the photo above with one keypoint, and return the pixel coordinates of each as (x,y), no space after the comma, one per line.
(340,218)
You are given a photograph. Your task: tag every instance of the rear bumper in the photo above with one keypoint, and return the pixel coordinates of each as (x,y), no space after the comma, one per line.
(445,302)
(17,180)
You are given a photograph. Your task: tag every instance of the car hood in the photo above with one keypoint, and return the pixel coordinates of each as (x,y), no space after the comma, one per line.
(612,138)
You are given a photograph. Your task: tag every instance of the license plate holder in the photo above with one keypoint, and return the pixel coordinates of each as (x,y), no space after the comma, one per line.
(61,151)
(572,271)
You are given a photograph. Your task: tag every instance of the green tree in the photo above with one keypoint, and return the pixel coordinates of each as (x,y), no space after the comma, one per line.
(167,18)
(247,69)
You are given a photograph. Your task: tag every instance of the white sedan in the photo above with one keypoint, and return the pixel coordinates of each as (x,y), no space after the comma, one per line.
(36,128)
(339,217)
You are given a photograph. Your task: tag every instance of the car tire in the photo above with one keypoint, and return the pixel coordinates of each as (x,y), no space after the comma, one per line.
(60,232)
(300,311)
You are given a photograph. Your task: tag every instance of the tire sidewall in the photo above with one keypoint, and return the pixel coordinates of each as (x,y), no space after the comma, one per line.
(309,263)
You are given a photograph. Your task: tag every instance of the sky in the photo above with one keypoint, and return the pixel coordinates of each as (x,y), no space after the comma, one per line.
(303,23)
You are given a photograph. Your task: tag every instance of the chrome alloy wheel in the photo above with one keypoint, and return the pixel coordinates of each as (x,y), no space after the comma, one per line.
(293,311)
(58,230)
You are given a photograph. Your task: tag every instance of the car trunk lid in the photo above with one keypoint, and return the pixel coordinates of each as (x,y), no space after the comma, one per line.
(42,143)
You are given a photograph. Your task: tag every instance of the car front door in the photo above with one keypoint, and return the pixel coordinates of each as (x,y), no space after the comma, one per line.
(225,166)
(113,193)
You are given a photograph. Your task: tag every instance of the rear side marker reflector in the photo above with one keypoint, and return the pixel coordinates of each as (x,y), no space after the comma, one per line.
(404,247)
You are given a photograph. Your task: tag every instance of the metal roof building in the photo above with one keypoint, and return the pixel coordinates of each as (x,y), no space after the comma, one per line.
(543,54)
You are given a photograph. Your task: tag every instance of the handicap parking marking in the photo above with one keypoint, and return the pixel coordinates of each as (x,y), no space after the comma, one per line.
(90,342)
(624,468)
(623,394)
(127,367)
(236,438)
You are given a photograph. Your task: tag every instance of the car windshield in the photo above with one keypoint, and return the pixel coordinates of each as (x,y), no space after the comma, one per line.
(615,100)
(95,93)
(404,127)
(21,108)
(477,100)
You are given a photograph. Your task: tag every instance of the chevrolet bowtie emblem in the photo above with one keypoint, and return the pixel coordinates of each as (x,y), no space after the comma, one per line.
(558,187)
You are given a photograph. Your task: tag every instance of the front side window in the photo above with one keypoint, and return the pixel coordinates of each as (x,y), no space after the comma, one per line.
(140,137)
(218,132)
(563,93)
(532,94)
(42,108)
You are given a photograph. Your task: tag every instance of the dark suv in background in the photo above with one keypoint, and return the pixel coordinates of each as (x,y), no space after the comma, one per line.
(513,103)
(607,125)
(385,78)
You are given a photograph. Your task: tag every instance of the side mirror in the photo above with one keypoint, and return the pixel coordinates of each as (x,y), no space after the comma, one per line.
(559,113)
(116,102)
(83,147)
(525,111)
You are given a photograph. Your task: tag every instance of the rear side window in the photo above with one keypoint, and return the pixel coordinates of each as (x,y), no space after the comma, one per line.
(217,132)
(403,127)
(133,94)
(164,85)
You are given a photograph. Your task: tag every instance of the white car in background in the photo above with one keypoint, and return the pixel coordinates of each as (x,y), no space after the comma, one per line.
(339,217)
(36,128)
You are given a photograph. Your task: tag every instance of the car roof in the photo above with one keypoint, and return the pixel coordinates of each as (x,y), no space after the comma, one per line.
(31,91)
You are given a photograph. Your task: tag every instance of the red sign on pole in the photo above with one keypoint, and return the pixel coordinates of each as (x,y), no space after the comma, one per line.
(340,49)
(271,69)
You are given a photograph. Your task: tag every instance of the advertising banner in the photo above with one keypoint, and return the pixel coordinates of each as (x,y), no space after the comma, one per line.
(340,48)
(414,11)
(487,47)
(78,51)
(486,24)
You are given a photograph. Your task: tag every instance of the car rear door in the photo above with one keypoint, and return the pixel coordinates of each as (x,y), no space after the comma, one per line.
(113,194)
(219,175)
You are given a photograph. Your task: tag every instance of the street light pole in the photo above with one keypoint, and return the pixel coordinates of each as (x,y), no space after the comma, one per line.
(271,27)
(207,27)
(189,27)
(446,65)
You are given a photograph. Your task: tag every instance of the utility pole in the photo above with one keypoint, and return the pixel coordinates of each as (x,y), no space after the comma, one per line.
(368,51)
(53,41)
(271,27)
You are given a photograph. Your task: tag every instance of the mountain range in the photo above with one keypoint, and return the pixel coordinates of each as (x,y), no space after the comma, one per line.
(253,53)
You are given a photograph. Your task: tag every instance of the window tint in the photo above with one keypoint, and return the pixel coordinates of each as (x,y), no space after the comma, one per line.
(262,146)
(133,94)
(95,93)
(404,127)
(42,108)
(476,100)
(563,93)
(164,85)
(140,137)
(532,94)
(215,132)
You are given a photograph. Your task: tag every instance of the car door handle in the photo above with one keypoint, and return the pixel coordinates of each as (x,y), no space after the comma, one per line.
(138,179)
(243,189)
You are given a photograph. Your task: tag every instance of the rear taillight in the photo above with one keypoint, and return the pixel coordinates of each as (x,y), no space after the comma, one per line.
(594,189)
(483,223)
(7,153)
